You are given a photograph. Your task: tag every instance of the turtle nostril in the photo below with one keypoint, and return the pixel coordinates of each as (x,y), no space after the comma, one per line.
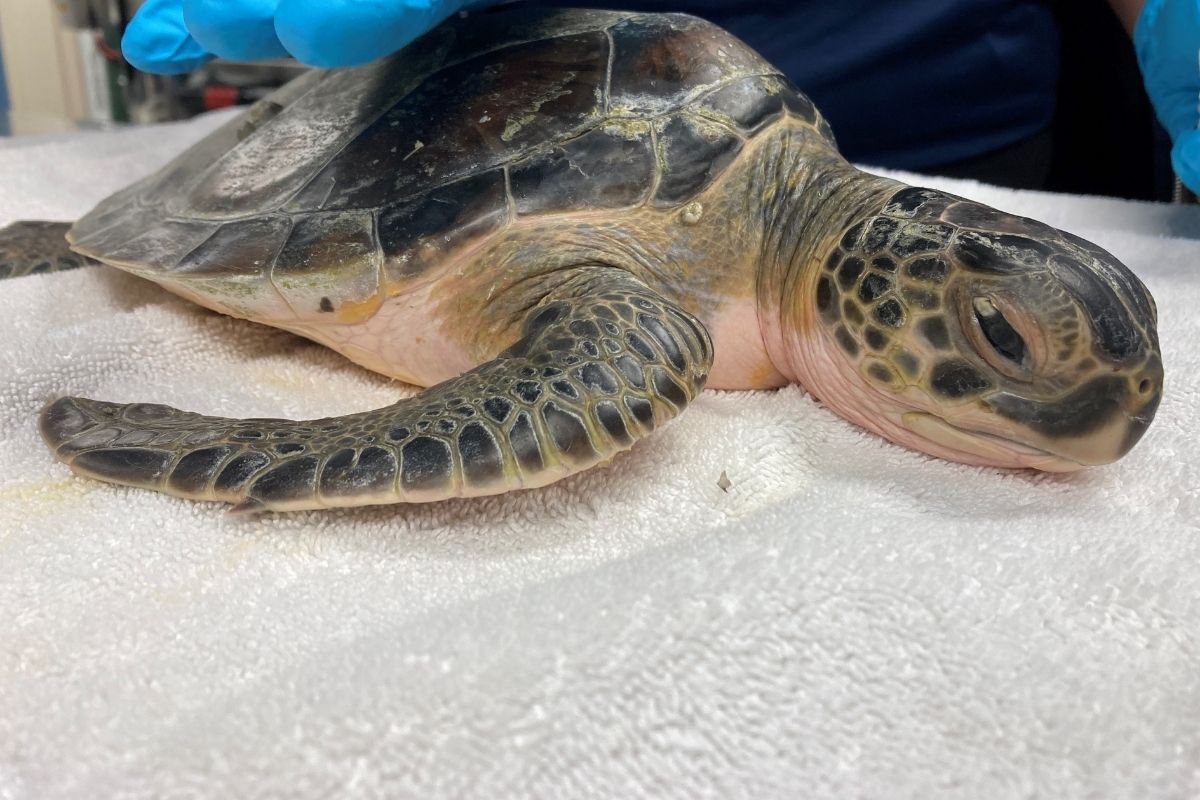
(1145,386)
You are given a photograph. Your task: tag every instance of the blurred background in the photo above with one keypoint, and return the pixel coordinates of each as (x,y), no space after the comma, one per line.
(61,69)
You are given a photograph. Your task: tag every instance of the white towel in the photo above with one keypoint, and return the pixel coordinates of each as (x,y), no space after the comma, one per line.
(849,619)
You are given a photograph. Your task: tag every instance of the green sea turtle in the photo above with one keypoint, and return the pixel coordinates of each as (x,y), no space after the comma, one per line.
(566,223)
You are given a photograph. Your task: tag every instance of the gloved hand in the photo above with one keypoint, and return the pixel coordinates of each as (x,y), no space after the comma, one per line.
(1167,40)
(173,36)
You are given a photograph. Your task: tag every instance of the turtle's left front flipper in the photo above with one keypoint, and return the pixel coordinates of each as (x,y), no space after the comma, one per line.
(602,362)
(31,247)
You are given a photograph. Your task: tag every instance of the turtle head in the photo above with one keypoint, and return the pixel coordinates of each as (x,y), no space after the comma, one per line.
(984,337)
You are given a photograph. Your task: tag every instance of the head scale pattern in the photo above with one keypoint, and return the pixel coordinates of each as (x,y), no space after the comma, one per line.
(999,339)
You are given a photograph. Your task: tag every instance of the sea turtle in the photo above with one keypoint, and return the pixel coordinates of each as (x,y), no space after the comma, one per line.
(566,223)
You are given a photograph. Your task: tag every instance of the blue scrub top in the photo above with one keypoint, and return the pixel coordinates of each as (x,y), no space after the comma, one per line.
(908,84)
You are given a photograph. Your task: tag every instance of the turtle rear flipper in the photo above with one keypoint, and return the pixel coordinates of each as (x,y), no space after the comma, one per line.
(30,247)
(602,362)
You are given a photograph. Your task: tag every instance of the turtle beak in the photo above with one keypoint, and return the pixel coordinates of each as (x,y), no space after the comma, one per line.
(1097,424)
(1120,421)
(980,447)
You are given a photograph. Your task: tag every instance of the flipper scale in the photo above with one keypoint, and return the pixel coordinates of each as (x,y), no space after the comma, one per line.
(603,362)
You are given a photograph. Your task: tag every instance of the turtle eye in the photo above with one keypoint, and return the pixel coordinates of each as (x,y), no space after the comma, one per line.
(999,333)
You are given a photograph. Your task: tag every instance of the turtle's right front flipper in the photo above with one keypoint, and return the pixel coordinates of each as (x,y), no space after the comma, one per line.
(601,363)
(32,247)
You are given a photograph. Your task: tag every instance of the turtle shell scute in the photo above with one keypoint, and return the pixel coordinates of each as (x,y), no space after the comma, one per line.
(400,163)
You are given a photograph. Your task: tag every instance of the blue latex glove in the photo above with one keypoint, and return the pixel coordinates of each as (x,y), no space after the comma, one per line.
(1167,40)
(173,36)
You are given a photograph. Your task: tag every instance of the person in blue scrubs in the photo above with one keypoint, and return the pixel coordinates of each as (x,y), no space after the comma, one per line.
(950,86)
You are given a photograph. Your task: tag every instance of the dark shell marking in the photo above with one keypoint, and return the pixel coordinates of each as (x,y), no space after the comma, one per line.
(343,182)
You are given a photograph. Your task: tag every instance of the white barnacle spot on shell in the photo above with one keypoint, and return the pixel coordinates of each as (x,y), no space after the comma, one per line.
(552,93)
(628,129)
(413,152)
(691,213)
(510,130)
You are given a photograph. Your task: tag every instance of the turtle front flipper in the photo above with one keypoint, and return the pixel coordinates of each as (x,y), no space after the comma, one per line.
(601,363)
(32,247)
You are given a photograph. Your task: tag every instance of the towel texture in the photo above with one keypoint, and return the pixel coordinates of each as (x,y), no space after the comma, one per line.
(848,619)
